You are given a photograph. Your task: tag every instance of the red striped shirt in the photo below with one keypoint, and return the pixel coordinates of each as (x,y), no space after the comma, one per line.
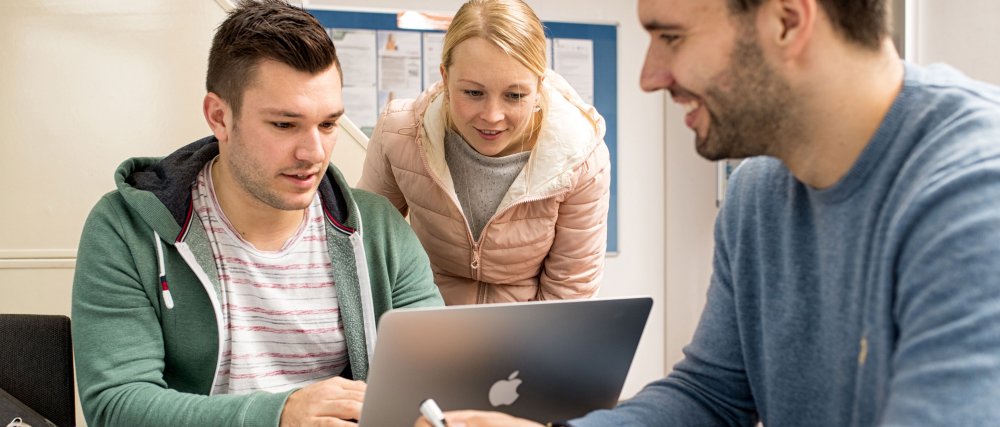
(283,321)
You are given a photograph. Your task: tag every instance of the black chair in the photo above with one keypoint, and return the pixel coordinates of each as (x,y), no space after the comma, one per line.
(36,364)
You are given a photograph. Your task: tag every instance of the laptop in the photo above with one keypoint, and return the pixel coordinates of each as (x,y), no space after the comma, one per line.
(544,361)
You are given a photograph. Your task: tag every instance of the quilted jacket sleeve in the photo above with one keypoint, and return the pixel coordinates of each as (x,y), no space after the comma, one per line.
(575,263)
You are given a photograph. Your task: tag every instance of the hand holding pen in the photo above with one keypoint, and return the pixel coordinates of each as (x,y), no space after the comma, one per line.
(433,417)
(432,413)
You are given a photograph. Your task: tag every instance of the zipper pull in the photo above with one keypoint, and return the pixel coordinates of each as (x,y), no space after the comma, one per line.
(475,259)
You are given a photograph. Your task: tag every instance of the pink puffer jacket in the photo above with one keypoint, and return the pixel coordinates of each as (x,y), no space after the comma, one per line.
(548,237)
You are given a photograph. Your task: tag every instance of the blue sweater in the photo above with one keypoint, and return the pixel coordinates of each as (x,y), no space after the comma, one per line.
(873,302)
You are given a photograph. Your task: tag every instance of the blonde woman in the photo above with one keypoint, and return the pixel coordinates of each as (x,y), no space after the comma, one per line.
(501,167)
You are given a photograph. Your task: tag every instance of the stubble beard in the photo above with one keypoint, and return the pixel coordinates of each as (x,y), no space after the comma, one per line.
(253,179)
(756,115)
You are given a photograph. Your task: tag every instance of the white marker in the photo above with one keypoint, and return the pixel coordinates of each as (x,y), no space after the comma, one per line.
(432,413)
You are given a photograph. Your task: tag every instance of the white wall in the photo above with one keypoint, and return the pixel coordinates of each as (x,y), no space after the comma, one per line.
(965,37)
(81,85)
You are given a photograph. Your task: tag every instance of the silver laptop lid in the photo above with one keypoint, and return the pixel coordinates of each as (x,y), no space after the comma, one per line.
(544,361)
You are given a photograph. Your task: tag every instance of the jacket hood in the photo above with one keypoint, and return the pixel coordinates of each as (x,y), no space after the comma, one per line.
(160,188)
(571,130)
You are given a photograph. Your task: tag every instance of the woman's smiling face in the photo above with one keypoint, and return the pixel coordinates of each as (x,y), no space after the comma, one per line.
(492,97)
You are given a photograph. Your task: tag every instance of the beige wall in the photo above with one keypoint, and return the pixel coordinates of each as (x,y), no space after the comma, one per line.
(82,85)
(965,37)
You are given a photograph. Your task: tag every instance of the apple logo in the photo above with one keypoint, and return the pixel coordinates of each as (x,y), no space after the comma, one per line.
(504,392)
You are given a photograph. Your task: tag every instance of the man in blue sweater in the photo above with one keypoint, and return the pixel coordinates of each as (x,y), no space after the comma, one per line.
(857,263)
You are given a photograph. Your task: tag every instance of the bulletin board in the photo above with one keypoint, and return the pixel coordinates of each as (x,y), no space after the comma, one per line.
(381,60)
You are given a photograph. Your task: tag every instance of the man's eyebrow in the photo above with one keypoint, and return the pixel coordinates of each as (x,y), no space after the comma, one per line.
(659,26)
(289,114)
(280,112)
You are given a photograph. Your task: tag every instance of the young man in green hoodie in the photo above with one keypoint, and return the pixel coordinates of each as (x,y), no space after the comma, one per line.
(238,280)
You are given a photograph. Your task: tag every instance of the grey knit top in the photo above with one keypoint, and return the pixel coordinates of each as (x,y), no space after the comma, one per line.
(480,181)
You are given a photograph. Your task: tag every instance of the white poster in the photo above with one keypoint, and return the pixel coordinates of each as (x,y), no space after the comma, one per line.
(356,51)
(433,48)
(399,73)
(574,60)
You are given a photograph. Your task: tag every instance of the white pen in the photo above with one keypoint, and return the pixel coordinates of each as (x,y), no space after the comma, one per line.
(433,413)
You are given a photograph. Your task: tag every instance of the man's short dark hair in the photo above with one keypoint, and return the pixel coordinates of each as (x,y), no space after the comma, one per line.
(265,30)
(865,22)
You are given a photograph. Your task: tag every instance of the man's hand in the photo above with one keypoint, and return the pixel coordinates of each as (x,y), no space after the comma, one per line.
(327,403)
(479,419)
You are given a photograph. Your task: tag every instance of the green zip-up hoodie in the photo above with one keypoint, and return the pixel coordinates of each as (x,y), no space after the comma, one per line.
(146,313)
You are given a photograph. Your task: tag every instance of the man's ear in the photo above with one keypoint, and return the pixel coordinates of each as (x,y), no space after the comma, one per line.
(218,115)
(788,25)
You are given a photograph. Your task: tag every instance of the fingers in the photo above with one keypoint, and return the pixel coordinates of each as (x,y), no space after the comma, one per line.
(327,403)
(342,398)
(333,422)
(341,394)
(345,409)
(347,384)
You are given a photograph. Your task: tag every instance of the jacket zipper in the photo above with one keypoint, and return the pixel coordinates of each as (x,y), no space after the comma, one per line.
(481,293)
(474,265)
(185,252)
(364,283)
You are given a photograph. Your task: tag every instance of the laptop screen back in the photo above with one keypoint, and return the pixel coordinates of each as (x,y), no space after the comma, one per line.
(541,360)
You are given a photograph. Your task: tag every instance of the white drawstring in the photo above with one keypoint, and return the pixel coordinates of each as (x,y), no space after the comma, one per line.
(167,299)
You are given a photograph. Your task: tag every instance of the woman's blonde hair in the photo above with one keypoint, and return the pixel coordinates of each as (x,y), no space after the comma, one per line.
(513,27)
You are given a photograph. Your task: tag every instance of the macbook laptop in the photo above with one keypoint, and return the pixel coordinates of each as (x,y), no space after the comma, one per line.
(543,361)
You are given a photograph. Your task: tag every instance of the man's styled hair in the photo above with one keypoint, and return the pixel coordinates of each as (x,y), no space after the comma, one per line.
(265,30)
(865,22)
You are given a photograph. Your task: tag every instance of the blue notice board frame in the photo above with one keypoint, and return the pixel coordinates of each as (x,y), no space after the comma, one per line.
(605,41)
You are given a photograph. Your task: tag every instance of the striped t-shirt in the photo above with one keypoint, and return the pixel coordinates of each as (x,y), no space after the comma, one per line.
(282,320)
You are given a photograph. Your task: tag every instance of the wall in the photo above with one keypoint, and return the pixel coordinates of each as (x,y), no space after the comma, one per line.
(84,84)
(964,37)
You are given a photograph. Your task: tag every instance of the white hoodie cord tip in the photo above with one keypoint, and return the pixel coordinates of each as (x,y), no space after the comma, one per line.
(167,299)
(165,289)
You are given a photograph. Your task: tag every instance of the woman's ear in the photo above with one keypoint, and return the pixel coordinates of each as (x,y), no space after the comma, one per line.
(538,93)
